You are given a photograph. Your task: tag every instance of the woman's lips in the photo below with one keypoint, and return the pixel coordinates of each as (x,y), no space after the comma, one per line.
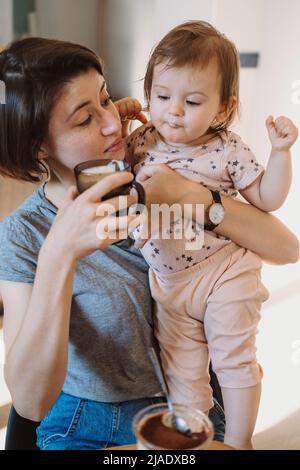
(115,146)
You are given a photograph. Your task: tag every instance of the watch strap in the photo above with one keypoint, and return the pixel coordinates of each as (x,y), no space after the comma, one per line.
(216,196)
(216,200)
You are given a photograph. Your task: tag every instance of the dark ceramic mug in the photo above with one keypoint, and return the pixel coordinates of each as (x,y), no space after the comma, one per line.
(91,172)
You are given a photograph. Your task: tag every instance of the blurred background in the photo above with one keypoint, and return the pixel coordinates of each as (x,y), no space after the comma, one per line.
(267,35)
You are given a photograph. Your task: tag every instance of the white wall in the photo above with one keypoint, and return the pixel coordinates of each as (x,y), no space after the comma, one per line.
(265,26)
(130,29)
(170,13)
(70,20)
(6,22)
(280,67)
(242,22)
(125,42)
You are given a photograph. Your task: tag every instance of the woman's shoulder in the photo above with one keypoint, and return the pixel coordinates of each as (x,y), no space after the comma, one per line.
(22,234)
(29,219)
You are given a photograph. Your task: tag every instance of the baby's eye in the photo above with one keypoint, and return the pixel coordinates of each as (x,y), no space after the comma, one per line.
(86,122)
(193,103)
(163,97)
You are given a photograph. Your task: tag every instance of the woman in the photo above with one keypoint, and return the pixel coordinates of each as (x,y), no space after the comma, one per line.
(77,308)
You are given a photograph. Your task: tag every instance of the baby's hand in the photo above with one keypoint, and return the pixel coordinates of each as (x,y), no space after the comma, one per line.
(129,109)
(282,133)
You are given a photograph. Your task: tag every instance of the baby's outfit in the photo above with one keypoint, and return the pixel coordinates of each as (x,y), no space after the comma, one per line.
(207,300)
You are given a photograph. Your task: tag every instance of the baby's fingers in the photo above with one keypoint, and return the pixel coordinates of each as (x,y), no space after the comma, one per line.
(270,122)
(142,118)
(281,124)
(285,126)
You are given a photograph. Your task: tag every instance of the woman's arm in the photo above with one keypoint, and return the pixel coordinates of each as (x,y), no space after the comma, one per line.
(36,328)
(258,231)
(244,224)
(36,332)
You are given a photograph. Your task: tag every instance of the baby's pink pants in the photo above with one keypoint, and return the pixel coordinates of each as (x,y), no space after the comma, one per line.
(210,310)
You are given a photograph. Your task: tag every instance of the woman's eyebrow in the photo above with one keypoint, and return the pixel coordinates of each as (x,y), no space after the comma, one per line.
(84,103)
(81,105)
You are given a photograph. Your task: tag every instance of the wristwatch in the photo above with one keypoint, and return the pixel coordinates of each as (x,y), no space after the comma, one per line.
(216,212)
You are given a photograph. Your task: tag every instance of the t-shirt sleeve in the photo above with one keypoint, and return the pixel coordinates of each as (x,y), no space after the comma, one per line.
(18,252)
(129,149)
(136,144)
(132,142)
(241,163)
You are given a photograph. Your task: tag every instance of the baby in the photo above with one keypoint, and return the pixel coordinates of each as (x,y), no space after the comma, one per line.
(208,300)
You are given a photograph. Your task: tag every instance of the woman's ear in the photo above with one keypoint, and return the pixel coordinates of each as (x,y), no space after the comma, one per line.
(226,109)
(42,153)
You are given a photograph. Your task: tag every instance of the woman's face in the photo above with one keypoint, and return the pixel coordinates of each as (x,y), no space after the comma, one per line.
(84,125)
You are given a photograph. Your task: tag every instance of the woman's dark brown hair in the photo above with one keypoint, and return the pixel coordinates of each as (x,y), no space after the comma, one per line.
(34,72)
(196,43)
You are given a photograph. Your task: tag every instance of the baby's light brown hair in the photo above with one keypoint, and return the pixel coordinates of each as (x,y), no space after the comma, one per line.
(197,43)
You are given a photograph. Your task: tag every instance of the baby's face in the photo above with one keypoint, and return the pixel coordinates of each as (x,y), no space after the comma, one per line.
(184,102)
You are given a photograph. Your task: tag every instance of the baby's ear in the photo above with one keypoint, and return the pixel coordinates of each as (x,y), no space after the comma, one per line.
(227,108)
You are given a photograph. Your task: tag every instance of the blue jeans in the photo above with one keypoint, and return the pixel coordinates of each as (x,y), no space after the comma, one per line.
(79,424)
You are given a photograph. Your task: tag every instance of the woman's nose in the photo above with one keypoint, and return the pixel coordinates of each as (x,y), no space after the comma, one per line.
(110,124)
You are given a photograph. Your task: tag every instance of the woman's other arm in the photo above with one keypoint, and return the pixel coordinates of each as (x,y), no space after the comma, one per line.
(258,231)
(36,332)
(244,224)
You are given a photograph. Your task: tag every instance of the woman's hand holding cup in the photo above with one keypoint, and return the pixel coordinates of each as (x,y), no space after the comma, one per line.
(82,224)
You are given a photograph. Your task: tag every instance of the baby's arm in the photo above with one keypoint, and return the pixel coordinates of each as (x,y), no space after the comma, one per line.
(269,191)
(129,109)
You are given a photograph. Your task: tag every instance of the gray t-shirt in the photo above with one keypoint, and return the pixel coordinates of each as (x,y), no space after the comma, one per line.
(111,313)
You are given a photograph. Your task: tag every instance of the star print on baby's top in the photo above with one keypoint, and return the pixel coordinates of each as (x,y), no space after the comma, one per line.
(224,163)
(240,163)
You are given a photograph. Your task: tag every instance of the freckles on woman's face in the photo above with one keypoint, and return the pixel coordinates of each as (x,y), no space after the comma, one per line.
(84,123)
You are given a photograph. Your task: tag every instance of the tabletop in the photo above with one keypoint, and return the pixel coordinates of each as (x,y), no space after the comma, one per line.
(214,445)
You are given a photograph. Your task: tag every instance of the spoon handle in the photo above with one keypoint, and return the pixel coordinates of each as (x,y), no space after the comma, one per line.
(178,423)
(160,375)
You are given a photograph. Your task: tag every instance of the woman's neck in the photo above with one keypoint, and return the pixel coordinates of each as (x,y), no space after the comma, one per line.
(55,190)
(60,180)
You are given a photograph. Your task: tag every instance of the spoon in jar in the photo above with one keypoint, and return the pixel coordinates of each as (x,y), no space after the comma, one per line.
(177,422)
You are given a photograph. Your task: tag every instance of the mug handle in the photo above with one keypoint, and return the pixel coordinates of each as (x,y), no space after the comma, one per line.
(140,191)
(141,200)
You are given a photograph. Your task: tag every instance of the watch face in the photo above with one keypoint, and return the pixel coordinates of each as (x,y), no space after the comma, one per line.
(216,213)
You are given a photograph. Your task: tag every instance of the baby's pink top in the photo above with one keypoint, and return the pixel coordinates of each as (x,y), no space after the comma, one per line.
(225,163)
